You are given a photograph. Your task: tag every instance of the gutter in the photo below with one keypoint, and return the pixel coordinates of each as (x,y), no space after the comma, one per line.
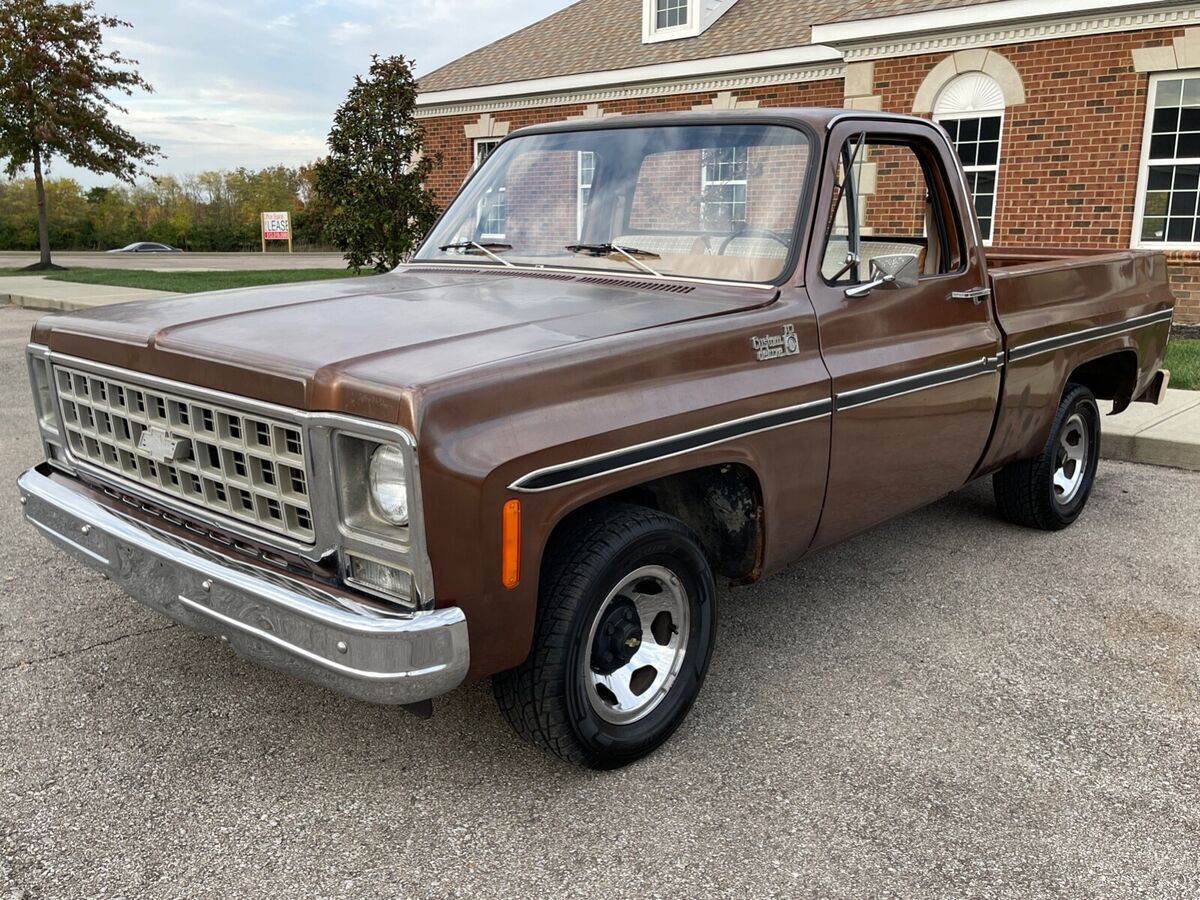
(807,55)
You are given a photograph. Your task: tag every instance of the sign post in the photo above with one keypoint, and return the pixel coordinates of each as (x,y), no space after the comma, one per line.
(276,226)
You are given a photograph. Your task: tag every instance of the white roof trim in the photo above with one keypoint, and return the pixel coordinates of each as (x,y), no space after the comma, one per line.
(965,18)
(789,56)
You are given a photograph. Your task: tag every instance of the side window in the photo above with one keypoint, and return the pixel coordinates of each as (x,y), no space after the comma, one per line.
(887,201)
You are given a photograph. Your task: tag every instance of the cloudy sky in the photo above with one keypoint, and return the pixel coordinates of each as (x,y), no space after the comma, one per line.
(256,82)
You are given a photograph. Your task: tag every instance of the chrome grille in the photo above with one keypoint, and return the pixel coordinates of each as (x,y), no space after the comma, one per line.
(228,461)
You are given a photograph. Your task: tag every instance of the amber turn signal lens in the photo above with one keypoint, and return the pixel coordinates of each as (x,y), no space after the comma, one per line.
(510,544)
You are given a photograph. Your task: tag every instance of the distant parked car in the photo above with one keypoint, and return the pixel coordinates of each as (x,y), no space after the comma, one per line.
(147,247)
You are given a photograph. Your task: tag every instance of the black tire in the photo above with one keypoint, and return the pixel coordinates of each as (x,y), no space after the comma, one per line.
(1025,490)
(546,698)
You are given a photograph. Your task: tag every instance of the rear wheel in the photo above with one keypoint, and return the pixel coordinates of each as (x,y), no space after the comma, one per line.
(1051,490)
(626,625)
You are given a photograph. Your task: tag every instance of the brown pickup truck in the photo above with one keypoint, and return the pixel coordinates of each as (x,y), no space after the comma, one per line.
(633,354)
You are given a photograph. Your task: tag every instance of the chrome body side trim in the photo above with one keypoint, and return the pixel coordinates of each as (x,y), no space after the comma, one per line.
(300,629)
(585,468)
(886,390)
(663,448)
(1062,341)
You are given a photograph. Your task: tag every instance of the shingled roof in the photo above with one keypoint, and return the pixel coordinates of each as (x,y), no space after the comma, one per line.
(603,35)
(878,9)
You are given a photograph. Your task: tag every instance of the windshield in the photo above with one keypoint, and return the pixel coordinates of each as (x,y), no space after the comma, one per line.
(711,201)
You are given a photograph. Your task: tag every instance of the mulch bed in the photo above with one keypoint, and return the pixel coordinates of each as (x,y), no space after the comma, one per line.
(1186,332)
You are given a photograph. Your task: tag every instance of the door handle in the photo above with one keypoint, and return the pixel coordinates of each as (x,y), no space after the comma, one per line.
(977,295)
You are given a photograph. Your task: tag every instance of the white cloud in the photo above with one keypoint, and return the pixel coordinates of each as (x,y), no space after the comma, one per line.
(256,82)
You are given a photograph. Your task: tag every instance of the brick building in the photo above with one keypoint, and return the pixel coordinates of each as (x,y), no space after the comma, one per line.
(1078,120)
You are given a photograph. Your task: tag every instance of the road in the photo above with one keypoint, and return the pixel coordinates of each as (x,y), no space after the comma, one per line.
(946,706)
(173,262)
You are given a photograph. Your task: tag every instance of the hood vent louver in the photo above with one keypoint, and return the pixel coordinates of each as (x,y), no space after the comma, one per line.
(512,273)
(638,285)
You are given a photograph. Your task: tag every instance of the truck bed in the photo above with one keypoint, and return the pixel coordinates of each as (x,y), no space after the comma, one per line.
(1060,308)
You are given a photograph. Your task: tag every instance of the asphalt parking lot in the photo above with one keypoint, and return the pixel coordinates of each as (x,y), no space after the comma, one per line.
(947,706)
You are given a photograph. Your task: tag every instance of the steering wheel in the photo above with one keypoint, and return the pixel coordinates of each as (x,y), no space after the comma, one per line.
(749,231)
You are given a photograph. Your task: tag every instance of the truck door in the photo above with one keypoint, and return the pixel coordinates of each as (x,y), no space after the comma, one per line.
(899,283)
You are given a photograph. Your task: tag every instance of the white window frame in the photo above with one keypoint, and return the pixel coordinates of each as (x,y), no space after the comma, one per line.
(705,184)
(994,169)
(672,5)
(1139,209)
(476,145)
(651,33)
(580,187)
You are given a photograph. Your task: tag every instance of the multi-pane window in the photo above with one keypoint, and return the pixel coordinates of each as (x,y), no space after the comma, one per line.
(493,211)
(1171,163)
(586,171)
(483,149)
(670,13)
(977,140)
(723,187)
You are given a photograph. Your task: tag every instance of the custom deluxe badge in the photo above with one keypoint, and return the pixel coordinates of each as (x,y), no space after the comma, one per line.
(773,346)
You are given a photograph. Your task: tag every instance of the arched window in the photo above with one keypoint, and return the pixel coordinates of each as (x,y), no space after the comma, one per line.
(971,108)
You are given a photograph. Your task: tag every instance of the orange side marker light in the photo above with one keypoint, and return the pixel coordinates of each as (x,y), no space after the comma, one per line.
(510,544)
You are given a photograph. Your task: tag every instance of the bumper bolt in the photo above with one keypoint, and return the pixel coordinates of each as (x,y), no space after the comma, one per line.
(224,639)
(341,647)
(86,529)
(206,585)
(24,501)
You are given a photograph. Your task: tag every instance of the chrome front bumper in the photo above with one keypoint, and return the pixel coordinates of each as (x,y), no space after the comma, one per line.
(321,635)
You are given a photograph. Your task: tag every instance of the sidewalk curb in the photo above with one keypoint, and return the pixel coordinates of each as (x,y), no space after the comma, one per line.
(45,304)
(1167,435)
(58,304)
(1150,450)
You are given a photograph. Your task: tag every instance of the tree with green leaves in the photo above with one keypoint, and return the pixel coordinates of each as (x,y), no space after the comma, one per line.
(373,181)
(56,87)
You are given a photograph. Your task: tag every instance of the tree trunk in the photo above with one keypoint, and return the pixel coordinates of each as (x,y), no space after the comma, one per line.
(43,218)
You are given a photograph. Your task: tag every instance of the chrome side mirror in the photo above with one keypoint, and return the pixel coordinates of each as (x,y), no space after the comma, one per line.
(900,270)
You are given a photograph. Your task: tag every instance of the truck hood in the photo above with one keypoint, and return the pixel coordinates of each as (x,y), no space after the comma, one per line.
(350,345)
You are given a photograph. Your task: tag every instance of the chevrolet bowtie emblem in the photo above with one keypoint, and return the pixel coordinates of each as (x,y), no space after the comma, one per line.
(633,643)
(161,447)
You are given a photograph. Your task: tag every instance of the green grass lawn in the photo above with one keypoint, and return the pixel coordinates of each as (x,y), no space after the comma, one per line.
(1183,360)
(187,282)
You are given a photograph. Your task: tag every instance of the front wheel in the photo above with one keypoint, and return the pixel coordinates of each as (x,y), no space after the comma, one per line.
(625,630)
(1050,490)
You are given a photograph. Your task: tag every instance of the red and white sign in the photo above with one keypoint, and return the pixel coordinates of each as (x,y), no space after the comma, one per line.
(276,226)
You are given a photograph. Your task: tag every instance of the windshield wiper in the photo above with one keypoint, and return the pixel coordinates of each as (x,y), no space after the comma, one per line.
(486,249)
(627,252)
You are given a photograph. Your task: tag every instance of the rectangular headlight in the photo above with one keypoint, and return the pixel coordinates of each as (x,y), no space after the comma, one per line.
(375,492)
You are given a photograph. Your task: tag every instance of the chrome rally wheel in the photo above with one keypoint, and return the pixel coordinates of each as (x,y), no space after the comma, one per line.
(1071,462)
(626,626)
(637,644)
(1050,490)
